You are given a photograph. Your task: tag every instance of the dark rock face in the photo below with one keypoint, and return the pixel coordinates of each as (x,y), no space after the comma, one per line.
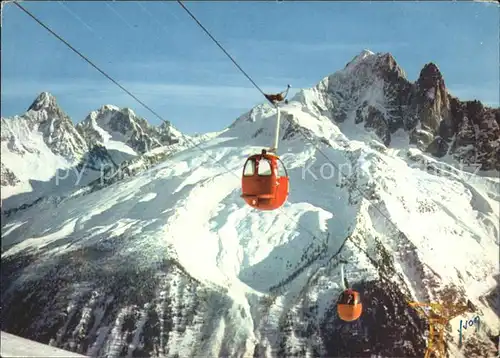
(438,147)
(97,158)
(377,121)
(431,103)
(375,90)
(477,134)
(166,135)
(8,178)
(98,303)
(398,91)
(469,129)
(108,312)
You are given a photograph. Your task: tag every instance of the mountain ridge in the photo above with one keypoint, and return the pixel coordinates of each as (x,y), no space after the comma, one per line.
(437,122)
(171,262)
(43,149)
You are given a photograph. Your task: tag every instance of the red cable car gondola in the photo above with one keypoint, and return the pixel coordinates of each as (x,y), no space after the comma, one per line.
(349,306)
(262,186)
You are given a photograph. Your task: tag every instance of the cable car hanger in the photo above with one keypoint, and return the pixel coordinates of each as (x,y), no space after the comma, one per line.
(296,126)
(275,99)
(262,186)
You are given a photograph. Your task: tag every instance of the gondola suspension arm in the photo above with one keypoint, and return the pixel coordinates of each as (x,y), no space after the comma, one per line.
(277,131)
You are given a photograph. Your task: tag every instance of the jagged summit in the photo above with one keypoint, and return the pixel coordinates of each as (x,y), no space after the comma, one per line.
(430,77)
(359,58)
(108,107)
(431,70)
(374,91)
(45,107)
(368,62)
(366,52)
(111,123)
(44,100)
(44,142)
(44,118)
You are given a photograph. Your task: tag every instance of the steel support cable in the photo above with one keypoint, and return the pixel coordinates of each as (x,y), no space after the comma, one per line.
(293,124)
(89,62)
(262,92)
(221,47)
(109,77)
(147,107)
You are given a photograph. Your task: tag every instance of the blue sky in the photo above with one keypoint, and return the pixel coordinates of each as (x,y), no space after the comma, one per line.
(159,53)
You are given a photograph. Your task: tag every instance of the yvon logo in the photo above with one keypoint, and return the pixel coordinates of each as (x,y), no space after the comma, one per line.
(465,325)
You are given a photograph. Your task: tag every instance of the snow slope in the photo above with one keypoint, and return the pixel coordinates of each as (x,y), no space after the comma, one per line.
(171,262)
(40,153)
(44,156)
(30,158)
(32,170)
(225,259)
(14,346)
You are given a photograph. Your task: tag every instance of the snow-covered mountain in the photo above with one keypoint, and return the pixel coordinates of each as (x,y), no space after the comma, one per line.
(373,89)
(36,147)
(124,131)
(171,262)
(44,154)
(43,133)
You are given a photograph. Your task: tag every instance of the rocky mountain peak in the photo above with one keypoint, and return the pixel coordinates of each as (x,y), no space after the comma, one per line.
(46,117)
(375,87)
(43,108)
(431,85)
(388,67)
(112,123)
(430,75)
(475,109)
(373,90)
(432,101)
(45,100)
(168,134)
(365,54)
